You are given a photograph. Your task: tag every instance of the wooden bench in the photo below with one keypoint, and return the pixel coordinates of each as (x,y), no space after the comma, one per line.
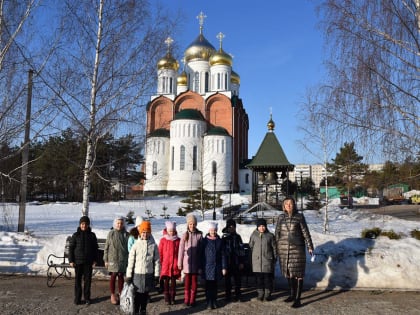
(59,266)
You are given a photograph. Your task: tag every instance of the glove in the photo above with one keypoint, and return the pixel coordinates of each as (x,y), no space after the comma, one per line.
(128,280)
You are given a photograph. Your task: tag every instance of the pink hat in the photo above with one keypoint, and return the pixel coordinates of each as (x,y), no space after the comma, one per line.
(170,225)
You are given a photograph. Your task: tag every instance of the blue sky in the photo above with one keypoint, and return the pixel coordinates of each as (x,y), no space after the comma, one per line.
(278,54)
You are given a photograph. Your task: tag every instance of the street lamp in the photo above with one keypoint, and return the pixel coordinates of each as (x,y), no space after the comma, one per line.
(214,173)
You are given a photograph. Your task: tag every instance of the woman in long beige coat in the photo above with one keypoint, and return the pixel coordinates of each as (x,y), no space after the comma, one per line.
(292,236)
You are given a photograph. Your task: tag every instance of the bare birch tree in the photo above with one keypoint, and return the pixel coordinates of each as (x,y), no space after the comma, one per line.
(104,75)
(372,95)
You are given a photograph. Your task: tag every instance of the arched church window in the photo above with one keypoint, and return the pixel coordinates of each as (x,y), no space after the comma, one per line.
(154,172)
(206,82)
(182,158)
(246,178)
(218,81)
(226,81)
(171,85)
(195,158)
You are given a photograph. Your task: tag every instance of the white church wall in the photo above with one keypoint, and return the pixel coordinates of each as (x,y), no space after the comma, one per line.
(157,151)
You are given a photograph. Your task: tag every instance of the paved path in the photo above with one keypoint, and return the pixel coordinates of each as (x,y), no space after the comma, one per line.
(30,295)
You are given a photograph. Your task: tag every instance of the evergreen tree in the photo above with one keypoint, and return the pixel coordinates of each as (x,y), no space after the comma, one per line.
(348,167)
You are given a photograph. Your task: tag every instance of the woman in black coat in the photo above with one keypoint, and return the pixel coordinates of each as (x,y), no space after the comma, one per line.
(83,255)
(292,236)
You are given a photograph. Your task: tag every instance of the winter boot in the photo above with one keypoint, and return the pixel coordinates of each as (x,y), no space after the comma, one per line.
(297,303)
(292,290)
(172,297)
(113,299)
(267,295)
(260,295)
(192,298)
(187,297)
(167,297)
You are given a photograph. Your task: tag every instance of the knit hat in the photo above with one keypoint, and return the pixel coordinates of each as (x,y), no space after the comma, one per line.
(191,218)
(139,220)
(230,222)
(145,226)
(261,221)
(170,226)
(212,226)
(85,219)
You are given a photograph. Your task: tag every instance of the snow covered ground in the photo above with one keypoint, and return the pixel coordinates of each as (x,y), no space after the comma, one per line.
(343,258)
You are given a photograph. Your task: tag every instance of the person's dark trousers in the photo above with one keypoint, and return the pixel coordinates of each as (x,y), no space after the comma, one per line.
(233,273)
(140,302)
(83,271)
(211,293)
(264,284)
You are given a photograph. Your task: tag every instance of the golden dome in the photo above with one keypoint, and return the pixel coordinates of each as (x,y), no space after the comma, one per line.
(182,79)
(168,62)
(200,48)
(271,124)
(234,78)
(220,58)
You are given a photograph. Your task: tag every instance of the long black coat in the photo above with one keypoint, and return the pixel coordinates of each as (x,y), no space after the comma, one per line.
(292,256)
(83,247)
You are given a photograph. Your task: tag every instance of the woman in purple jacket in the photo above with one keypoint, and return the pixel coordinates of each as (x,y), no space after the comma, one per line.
(189,259)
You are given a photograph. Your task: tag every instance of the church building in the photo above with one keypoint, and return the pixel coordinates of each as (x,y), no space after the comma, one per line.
(197,127)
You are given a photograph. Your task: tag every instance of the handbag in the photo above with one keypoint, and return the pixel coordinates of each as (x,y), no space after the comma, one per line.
(127,299)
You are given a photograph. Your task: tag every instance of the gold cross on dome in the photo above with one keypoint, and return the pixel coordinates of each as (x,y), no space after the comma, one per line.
(169,42)
(220,37)
(201,18)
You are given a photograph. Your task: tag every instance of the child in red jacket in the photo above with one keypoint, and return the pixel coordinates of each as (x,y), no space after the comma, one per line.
(168,252)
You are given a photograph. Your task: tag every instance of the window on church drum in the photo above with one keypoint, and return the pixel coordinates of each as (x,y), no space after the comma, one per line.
(154,171)
(218,81)
(182,158)
(246,178)
(171,85)
(195,158)
(164,84)
(214,169)
(206,82)
(226,81)
(173,158)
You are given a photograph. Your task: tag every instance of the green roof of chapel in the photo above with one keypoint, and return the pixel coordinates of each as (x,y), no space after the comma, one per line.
(270,155)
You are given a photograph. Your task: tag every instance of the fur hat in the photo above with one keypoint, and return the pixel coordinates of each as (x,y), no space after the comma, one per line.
(85,219)
(145,226)
(191,218)
(230,222)
(139,220)
(261,221)
(212,226)
(170,226)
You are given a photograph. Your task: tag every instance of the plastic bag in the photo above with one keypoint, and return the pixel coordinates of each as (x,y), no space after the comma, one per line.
(127,299)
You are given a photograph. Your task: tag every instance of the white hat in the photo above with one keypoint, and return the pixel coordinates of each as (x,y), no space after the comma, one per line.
(139,220)
(213,226)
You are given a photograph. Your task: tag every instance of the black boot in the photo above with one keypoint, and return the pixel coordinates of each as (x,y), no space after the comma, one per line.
(267,295)
(297,303)
(292,290)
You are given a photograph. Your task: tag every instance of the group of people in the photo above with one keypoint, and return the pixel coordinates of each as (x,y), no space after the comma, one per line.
(134,257)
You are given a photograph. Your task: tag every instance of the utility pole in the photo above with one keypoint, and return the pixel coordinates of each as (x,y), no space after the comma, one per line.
(25,157)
